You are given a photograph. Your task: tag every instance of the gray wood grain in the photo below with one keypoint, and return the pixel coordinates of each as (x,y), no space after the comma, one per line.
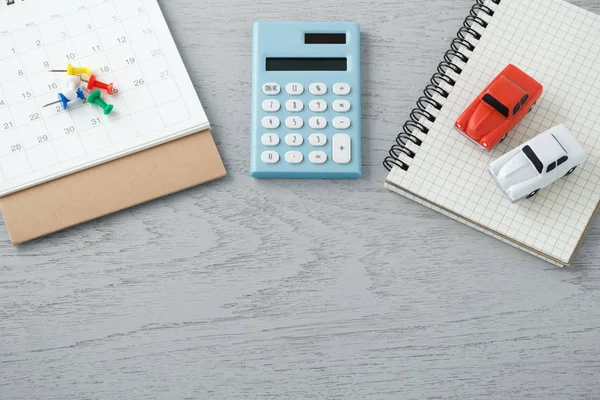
(246,289)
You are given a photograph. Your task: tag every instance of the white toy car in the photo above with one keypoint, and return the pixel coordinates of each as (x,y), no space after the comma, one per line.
(538,163)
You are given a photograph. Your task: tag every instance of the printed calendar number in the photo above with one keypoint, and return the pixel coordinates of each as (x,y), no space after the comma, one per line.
(42,139)
(156,52)
(130,61)
(147,31)
(96,48)
(139,82)
(27,94)
(96,121)
(53,86)
(69,129)
(70,56)
(122,39)
(164,74)
(8,125)
(105,69)
(16,147)
(34,117)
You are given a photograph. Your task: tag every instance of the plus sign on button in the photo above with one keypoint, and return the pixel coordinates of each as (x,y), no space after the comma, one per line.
(341,148)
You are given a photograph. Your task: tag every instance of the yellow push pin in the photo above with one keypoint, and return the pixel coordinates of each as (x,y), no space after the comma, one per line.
(71,70)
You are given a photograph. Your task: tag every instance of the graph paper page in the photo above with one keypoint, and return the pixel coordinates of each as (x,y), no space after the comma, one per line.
(558,44)
(126,42)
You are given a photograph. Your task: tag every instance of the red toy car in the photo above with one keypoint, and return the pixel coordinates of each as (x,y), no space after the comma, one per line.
(499,108)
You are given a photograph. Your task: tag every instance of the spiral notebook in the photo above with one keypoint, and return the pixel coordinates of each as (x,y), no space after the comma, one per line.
(558,44)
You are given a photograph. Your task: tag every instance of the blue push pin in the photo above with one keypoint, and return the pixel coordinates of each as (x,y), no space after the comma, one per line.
(72,93)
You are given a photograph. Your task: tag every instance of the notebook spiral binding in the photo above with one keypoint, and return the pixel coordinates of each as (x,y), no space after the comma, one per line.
(434,87)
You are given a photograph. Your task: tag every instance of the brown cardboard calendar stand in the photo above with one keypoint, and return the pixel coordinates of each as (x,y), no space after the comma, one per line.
(111,187)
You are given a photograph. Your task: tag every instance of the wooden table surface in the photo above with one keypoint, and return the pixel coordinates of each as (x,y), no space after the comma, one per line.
(244,289)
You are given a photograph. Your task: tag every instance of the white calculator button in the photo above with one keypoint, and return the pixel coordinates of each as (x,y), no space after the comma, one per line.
(270,157)
(294,123)
(294,140)
(341,89)
(271,106)
(341,106)
(271,89)
(341,148)
(294,89)
(294,157)
(294,105)
(317,157)
(270,139)
(341,123)
(317,123)
(317,106)
(317,89)
(317,140)
(271,122)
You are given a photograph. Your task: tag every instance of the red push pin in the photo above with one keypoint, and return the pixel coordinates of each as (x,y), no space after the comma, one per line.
(94,83)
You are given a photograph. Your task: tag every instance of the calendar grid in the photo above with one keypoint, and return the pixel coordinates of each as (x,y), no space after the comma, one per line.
(10,112)
(57,83)
(126,43)
(556,43)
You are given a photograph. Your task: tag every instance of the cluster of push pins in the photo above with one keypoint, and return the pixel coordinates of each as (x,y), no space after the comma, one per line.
(74,90)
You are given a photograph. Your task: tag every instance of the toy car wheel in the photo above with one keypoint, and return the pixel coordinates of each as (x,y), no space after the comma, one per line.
(503,138)
(533,193)
(532,107)
(571,171)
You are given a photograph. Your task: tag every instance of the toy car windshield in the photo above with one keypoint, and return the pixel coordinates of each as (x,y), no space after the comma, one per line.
(533,158)
(496,105)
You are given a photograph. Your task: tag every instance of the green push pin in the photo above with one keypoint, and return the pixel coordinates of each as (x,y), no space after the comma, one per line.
(96,98)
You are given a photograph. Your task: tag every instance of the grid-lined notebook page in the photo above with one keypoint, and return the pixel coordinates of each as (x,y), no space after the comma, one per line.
(558,44)
(124,42)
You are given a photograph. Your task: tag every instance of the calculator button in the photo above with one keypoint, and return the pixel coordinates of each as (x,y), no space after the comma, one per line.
(294,157)
(271,106)
(317,157)
(271,122)
(341,106)
(341,123)
(270,157)
(317,106)
(270,139)
(294,105)
(317,123)
(341,89)
(317,89)
(317,140)
(294,123)
(294,89)
(271,89)
(294,140)
(341,148)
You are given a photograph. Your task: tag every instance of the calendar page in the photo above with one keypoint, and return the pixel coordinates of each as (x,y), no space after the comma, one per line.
(126,42)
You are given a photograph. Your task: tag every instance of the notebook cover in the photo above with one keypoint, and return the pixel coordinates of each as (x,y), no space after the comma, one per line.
(111,187)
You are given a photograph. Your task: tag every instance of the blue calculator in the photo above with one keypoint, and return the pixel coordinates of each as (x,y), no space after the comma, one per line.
(306,100)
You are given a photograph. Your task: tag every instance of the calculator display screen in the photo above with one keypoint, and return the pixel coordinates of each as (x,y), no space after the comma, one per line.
(325,38)
(307,64)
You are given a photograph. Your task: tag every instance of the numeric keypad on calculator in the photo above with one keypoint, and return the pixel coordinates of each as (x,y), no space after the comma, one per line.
(283,113)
